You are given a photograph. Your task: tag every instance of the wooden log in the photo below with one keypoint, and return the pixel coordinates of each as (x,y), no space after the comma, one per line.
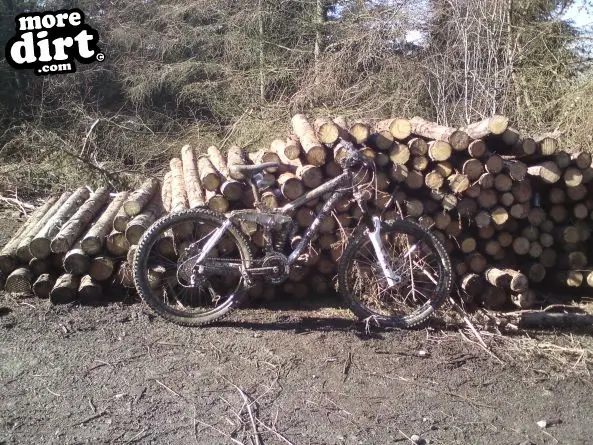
(343,133)
(570,278)
(93,241)
(546,240)
(524,300)
(414,180)
(520,210)
(580,211)
(483,219)
(536,272)
(506,199)
(517,170)
(8,254)
(264,156)
(101,268)
(467,207)
(139,198)
(522,191)
(179,199)
(19,282)
(473,169)
(548,258)
(79,221)
(576,193)
(123,276)
(510,136)
(360,131)
(65,289)
(477,148)
(476,262)
(314,151)
(458,183)
(493,125)
(76,261)
(236,156)
(217,202)
(547,144)
(521,245)
(117,244)
(474,190)
(458,139)
(326,130)
(473,284)
(209,178)
(37,266)
(562,159)
(572,176)
(191,178)
(23,251)
(399,128)
(399,153)
(546,171)
(486,180)
(165,193)
(487,232)
(468,244)
(418,147)
(494,298)
(581,159)
(507,279)
(434,180)
(494,164)
(558,213)
(445,168)
(89,289)
(40,246)
(536,216)
(120,222)
(525,147)
(141,222)
(399,173)
(439,150)
(420,163)
(43,285)
(291,187)
(503,183)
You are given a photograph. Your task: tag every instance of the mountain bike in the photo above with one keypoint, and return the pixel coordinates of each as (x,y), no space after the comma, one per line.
(194,266)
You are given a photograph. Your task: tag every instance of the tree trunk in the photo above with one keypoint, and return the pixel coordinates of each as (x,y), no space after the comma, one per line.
(93,241)
(79,221)
(236,156)
(139,198)
(399,128)
(547,171)
(360,131)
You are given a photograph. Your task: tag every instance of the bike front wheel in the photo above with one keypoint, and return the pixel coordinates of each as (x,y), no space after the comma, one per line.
(419,263)
(167,276)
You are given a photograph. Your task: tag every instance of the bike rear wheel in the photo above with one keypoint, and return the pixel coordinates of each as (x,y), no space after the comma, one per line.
(420,262)
(164,272)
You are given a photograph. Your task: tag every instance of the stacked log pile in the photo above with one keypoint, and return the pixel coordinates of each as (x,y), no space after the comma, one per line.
(514,212)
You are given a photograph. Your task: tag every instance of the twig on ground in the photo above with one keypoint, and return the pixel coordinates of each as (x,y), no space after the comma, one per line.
(167,388)
(247,403)
(280,436)
(219,432)
(88,419)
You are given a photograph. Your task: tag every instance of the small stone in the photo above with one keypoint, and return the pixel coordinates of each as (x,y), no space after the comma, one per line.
(542,423)
(417,439)
(423,353)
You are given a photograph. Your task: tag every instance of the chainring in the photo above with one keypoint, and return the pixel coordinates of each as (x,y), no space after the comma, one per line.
(280,263)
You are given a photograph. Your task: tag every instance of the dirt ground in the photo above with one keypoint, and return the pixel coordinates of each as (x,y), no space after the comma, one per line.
(118,374)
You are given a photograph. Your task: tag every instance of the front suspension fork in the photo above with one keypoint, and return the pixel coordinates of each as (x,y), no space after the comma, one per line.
(374,235)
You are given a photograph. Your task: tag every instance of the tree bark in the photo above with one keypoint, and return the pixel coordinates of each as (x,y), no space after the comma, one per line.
(191,179)
(140,223)
(493,125)
(178,193)
(93,241)
(43,285)
(230,188)
(139,198)
(19,282)
(65,289)
(40,246)
(101,268)
(314,150)
(79,221)
(458,139)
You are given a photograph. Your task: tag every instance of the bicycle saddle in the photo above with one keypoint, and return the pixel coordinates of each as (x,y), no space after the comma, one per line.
(252,170)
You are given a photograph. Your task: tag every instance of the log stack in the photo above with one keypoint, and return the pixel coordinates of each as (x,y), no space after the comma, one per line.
(514,211)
